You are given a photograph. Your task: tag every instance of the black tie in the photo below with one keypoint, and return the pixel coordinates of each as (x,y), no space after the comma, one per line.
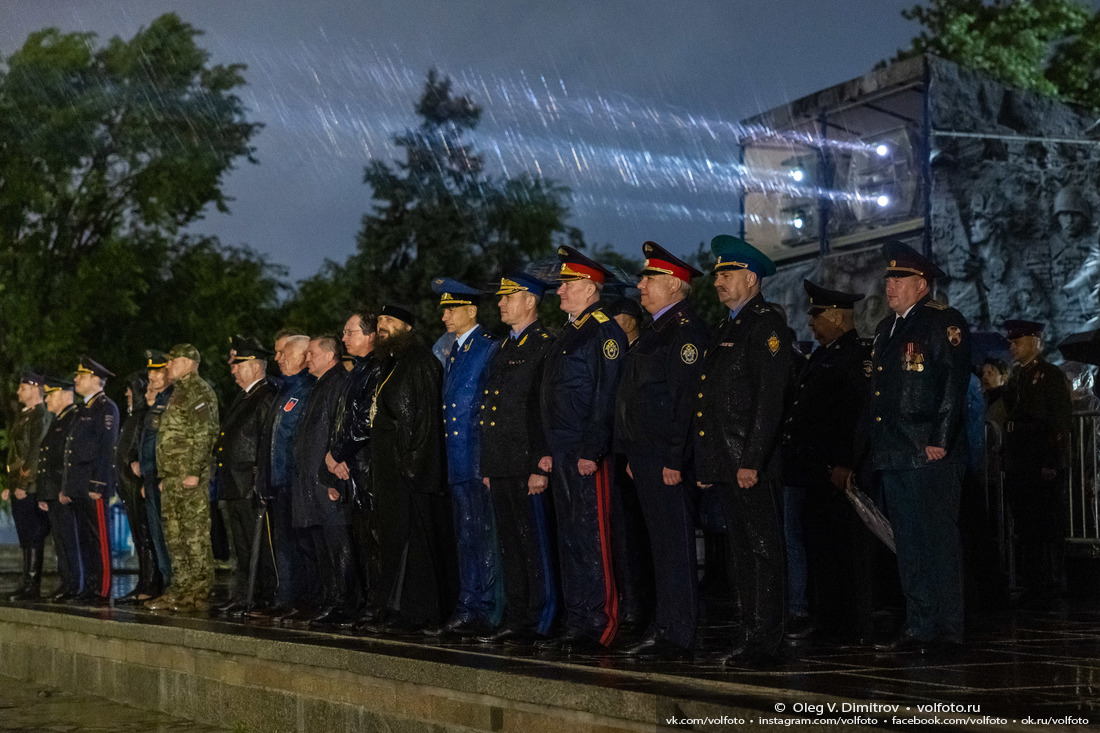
(454,353)
(897,322)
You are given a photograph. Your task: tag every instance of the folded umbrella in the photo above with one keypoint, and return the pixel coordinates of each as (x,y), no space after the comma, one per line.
(875,520)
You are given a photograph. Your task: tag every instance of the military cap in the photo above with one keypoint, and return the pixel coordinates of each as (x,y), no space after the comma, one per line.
(1015,328)
(517,281)
(823,299)
(185,351)
(625,306)
(155,359)
(453,293)
(29,377)
(399,312)
(88,365)
(734,253)
(56,384)
(659,261)
(575,266)
(904,261)
(247,349)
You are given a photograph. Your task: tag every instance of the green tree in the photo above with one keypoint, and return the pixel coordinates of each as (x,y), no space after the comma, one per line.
(1049,46)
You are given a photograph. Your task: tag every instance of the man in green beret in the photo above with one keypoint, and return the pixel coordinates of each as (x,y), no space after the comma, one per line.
(187,433)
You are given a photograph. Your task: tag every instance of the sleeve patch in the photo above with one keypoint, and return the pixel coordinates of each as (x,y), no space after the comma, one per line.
(954,335)
(773,343)
(689,354)
(611,349)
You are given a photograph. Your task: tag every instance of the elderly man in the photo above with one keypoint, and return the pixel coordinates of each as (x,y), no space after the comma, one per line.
(653,430)
(578,405)
(31,523)
(188,430)
(90,477)
(921,368)
(51,472)
(739,410)
(237,453)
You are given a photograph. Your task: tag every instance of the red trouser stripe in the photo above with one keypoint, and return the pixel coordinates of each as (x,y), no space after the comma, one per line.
(603,508)
(104,548)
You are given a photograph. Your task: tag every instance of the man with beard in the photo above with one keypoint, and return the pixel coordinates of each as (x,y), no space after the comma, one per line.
(416,583)
(129,487)
(653,430)
(348,456)
(512,443)
(51,472)
(31,523)
(578,409)
(237,454)
(737,419)
(90,477)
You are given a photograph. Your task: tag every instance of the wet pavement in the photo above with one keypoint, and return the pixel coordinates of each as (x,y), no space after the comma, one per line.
(1017,663)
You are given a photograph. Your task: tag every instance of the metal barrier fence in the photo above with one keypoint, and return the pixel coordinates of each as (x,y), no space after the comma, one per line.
(1083,511)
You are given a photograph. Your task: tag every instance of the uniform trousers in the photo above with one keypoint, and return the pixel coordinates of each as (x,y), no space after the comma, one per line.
(527,554)
(240,528)
(755,538)
(582,505)
(630,551)
(94,537)
(156,528)
(669,513)
(66,546)
(31,523)
(481,592)
(923,506)
(187,532)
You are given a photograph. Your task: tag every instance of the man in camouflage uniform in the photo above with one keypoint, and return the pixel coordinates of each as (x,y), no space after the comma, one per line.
(187,433)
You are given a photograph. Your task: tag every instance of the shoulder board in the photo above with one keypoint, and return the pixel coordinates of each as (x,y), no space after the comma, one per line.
(600,317)
(761,309)
(489,336)
(937,305)
(544,335)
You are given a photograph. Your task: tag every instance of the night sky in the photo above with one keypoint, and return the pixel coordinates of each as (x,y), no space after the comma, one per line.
(630,104)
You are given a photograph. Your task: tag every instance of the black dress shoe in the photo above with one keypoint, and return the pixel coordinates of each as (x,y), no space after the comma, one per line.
(558,643)
(944,650)
(901,643)
(583,646)
(636,647)
(800,627)
(230,609)
(62,596)
(456,629)
(330,617)
(501,635)
(659,648)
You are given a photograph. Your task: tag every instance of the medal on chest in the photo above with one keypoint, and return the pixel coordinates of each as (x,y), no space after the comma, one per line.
(914,358)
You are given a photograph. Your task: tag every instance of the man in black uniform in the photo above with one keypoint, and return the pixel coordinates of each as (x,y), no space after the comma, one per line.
(90,477)
(578,404)
(51,471)
(819,438)
(31,523)
(739,410)
(512,443)
(237,454)
(921,368)
(653,429)
(1035,458)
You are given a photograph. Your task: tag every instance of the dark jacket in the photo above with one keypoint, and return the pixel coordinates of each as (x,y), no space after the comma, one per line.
(238,443)
(147,443)
(24,442)
(654,405)
(349,441)
(275,473)
(510,419)
(90,450)
(819,431)
(51,455)
(1039,416)
(919,381)
(311,505)
(463,384)
(126,451)
(579,381)
(739,405)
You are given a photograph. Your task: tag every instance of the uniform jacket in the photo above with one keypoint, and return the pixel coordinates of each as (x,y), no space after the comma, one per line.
(464,379)
(820,427)
(739,403)
(349,441)
(275,473)
(238,442)
(660,374)
(24,441)
(188,429)
(150,426)
(1039,416)
(51,455)
(312,480)
(580,378)
(90,451)
(512,441)
(919,381)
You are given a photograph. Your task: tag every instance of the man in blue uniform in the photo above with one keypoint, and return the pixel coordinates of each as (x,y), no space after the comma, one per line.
(921,367)
(578,403)
(51,471)
(653,429)
(90,477)
(481,594)
(739,410)
(511,445)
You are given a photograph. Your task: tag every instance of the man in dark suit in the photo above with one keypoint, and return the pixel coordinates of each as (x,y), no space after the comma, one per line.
(921,368)
(51,472)
(739,410)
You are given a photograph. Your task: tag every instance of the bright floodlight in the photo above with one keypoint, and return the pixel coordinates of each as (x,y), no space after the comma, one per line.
(883,201)
(882,150)
(797,223)
(797,175)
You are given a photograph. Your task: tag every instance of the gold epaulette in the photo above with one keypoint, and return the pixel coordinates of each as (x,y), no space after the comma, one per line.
(600,317)
(937,305)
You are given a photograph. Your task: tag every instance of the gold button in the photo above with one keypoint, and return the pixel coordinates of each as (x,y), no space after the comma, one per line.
(880,369)
(698,414)
(483,407)
(453,405)
(492,424)
(494,408)
(486,391)
(700,395)
(702,376)
(877,393)
(454,419)
(456,432)
(563,351)
(701,433)
(878,419)
(482,422)
(496,391)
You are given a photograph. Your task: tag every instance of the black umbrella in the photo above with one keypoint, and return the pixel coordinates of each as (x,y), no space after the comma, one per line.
(1083,347)
(875,520)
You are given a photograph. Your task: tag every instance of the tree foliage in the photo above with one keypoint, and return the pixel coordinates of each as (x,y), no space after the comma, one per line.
(1049,46)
